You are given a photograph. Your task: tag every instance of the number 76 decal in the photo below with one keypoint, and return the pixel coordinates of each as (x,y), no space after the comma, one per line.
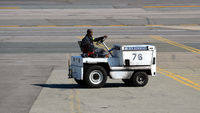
(139,56)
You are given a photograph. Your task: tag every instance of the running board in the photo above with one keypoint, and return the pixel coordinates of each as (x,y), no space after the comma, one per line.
(130,68)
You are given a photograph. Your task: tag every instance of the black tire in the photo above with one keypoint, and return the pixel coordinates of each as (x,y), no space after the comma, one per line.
(79,82)
(95,76)
(140,79)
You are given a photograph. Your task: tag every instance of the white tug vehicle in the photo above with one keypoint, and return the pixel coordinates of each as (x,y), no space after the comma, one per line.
(133,64)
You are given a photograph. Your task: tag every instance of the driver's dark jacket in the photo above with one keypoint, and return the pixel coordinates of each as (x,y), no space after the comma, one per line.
(87,44)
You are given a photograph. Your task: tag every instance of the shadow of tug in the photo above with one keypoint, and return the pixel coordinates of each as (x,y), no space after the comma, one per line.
(76,86)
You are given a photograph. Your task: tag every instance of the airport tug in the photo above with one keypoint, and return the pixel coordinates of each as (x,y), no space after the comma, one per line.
(130,63)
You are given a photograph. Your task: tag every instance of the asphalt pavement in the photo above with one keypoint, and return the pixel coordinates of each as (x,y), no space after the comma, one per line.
(38,37)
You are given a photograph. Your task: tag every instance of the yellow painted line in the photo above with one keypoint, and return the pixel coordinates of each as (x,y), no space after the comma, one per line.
(78,103)
(117,25)
(9,8)
(180,77)
(11,26)
(171,6)
(71,101)
(169,74)
(154,25)
(74,101)
(176,77)
(82,25)
(45,26)
(176,44)
(193,76)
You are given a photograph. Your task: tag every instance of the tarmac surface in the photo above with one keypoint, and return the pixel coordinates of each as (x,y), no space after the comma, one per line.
(37,38)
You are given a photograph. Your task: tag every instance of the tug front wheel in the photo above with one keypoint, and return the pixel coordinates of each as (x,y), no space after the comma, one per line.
(95,76)
(138,79)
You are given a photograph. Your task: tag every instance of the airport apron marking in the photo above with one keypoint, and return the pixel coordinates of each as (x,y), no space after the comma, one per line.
(179,78)
(176,44)
(176,77)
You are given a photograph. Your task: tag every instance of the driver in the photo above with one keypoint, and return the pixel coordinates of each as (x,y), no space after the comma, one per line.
(88,47)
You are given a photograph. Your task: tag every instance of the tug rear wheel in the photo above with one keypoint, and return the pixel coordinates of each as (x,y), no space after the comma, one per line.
(95,76)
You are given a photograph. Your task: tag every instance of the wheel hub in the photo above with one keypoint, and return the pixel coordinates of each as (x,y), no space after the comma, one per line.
(96,77)
(140,79)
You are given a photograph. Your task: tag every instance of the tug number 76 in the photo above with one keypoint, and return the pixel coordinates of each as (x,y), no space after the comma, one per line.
(139,56)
